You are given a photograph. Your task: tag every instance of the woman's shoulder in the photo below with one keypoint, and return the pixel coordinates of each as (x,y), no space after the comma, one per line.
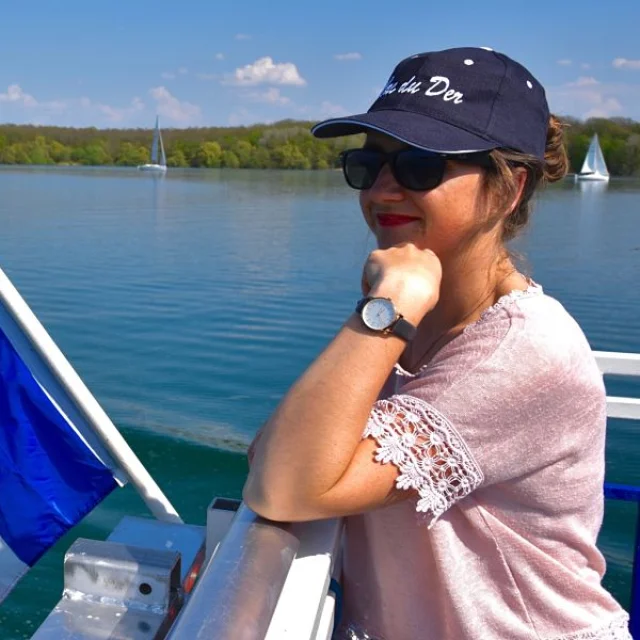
(531,321)
(527,334)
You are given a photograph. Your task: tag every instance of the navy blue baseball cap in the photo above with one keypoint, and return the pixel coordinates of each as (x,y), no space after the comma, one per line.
(455,101)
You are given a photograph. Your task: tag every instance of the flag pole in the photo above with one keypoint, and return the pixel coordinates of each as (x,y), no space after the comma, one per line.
(100,423)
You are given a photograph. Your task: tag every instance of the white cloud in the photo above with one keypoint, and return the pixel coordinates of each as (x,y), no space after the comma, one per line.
(331,110)
(167,75)
(624,63)
(271,96)
(588,98)
(565,62)
(348,56)
(583,81)
(266,71)
(116,114)
(16,94)
(324,110)
(243,36)
(170,107)
(606,108)
(219,56)
(83,109)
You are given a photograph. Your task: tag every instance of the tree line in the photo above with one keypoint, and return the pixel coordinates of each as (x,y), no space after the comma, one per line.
(283,145)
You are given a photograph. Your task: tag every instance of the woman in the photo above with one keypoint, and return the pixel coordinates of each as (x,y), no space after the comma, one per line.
(458,417)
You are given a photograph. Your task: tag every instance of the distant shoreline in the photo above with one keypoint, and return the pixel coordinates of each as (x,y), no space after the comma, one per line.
(283,145)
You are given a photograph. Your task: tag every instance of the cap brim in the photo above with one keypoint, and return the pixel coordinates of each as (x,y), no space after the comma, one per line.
(411,128)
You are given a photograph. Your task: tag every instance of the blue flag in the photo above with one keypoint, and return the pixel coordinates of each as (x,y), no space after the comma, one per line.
(60,454)
(50,476)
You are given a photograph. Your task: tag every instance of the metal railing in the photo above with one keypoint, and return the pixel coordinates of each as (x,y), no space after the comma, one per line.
(626,365)
(239,588)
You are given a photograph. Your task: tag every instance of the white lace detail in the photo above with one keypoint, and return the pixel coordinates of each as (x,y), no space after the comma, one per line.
(616,629)
(353,632)
(430,454)
(507,299)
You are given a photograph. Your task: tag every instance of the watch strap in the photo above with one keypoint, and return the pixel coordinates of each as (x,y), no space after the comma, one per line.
(360,304)
(401,328)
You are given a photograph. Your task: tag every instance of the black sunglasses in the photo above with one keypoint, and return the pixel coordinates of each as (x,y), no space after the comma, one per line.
(413,169)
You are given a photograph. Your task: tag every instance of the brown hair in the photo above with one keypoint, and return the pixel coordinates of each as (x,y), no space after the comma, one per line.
(501,185)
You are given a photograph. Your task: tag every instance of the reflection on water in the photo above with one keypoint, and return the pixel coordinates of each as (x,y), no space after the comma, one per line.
(593,188)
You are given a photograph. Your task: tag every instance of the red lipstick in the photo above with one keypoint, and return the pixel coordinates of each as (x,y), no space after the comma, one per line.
(393,220)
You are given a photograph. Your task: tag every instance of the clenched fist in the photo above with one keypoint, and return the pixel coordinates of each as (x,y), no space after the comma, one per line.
(409,276)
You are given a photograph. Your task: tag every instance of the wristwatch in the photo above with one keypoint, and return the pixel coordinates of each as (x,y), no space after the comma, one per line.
(379,314)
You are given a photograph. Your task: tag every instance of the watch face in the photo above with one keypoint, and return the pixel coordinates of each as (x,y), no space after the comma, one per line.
(378,314)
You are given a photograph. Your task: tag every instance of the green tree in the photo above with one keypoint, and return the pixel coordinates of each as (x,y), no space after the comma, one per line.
(209,155)
(8,155)
(177,159)
(288,156)
(243,150)
(131,155)
(21,154)
(230,159)
(38,151)
(58,152)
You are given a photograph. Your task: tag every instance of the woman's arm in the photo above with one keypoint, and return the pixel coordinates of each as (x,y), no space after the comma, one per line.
(310,461)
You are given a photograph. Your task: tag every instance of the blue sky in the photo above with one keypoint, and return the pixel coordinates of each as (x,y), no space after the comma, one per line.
(221,63)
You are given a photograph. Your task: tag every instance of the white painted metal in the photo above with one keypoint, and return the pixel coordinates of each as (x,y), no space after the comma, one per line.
(614,363)
(327,617)
(87,405)
(627,408)
(299,613)
(620,364)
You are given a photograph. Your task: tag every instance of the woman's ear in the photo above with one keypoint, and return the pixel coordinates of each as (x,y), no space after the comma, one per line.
(520,180)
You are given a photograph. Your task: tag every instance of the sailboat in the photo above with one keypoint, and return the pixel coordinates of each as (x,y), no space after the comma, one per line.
(594,166)
(156,146)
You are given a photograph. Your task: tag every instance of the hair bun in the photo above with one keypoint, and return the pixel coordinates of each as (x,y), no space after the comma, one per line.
(556,162)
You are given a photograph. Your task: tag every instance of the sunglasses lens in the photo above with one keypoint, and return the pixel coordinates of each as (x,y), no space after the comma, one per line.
(361,167)
(419,170)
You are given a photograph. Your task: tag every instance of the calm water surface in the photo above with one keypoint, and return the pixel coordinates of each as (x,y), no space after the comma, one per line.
(190,303)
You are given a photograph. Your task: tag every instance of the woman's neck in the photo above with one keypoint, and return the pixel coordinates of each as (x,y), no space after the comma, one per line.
(468,288)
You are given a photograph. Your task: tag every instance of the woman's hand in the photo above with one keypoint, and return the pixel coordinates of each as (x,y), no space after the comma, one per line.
(409,276)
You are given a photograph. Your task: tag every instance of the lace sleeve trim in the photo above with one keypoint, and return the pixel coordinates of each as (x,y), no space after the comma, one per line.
(431,456)
(615,629)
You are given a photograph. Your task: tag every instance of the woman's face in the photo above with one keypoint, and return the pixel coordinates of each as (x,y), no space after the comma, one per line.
(445,219)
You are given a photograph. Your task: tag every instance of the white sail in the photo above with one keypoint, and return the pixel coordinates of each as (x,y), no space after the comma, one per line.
(599,165)
(163,157)
(594,167)
(156,145)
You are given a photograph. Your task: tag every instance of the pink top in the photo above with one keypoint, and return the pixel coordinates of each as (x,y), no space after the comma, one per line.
(499,541)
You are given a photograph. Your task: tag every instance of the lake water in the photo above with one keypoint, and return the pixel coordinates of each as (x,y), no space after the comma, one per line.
(190,303)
